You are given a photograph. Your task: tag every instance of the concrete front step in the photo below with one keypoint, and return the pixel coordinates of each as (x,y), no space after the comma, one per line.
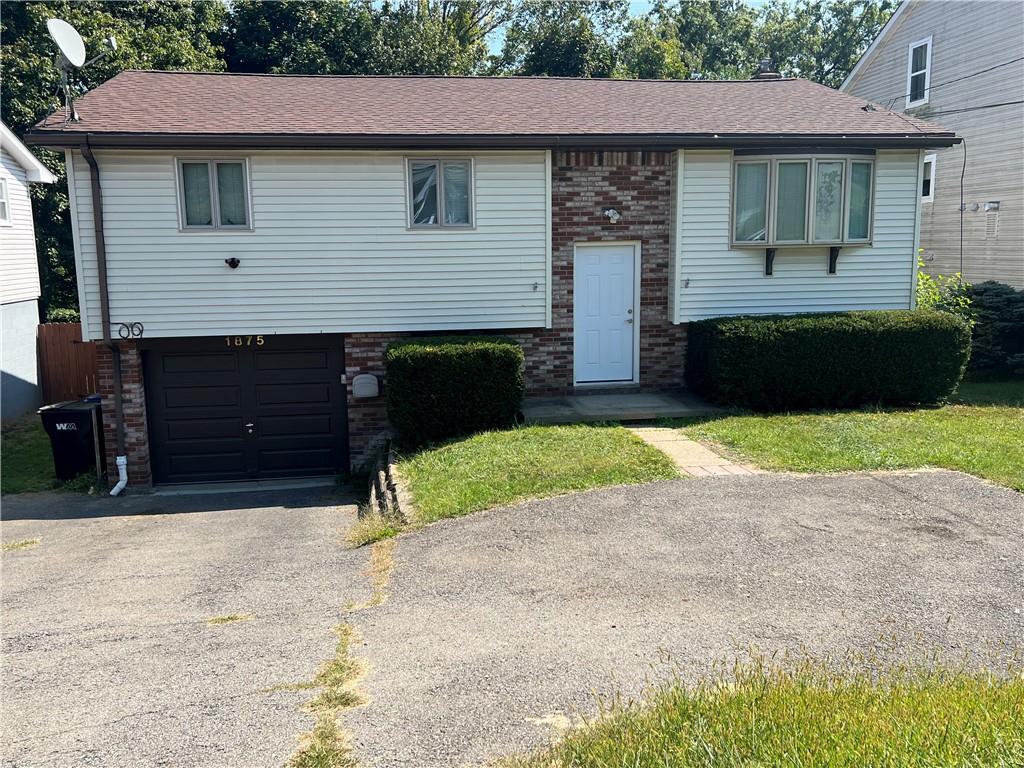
(628,406)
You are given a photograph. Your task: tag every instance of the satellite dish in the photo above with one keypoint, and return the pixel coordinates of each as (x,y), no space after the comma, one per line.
(68,41)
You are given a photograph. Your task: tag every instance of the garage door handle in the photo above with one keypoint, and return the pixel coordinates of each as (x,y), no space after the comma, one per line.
(249,426)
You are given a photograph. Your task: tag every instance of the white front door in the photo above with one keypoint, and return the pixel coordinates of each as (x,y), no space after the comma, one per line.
(604,318)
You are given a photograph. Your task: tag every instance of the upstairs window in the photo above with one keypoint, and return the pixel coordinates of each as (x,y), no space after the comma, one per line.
(5,204)
(440,193)
(919,75)
(928,179)
(213,194)
(779,201)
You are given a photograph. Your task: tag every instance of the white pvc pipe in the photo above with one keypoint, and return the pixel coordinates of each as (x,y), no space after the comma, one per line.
(122,475)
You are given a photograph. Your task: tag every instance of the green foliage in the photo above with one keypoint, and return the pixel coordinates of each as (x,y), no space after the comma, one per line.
(495,468)
(443,387)
(999,327)
(63,315)
(807,712)
(834,360)
(947,293)
(983,441)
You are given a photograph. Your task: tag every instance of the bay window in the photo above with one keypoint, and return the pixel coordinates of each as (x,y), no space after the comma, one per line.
(779,201)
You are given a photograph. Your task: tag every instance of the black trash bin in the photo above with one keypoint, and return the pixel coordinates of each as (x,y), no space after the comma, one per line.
(76,435)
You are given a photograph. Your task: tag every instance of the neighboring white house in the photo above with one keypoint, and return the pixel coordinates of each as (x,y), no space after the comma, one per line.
(960,64)
(19,281)
(261,239)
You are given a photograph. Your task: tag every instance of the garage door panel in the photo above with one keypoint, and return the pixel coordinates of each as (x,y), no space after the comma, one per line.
(225,396)
(209,362)
(203,429)
(299,360)
(300,427)
(276,410)
(205,465)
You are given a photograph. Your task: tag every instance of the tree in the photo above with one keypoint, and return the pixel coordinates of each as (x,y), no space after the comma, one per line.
(150,35)
(650,50)
(572,38)
(817,40)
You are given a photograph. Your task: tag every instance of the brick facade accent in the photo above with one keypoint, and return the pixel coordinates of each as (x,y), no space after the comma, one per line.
(367,417)
(583,184)
(134,408)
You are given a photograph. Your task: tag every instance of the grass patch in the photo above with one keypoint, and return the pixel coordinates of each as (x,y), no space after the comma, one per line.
(977,389)
(14,546)
(26,461)
(501,467)
(763,714)
(372,527)
(229,618)
(326,746)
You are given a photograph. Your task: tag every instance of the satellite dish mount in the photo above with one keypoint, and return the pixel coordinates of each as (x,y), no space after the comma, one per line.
(71,56)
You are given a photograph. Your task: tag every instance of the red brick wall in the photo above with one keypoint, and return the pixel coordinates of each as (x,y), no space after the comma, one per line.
(134,409)
(638,185)
(367,417)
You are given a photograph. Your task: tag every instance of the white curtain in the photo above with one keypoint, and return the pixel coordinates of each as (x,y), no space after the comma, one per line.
(456,193)
(231,194)
(198,207)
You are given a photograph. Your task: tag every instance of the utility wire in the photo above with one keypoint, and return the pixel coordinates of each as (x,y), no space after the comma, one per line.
(972,109)
(894,99)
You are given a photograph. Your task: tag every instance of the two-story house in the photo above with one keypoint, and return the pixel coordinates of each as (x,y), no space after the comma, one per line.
(960,64)
(247,244)
(19,276)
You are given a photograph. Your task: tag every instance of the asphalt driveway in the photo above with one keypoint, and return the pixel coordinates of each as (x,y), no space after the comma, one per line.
(502,625)
(497,629)
(108,659)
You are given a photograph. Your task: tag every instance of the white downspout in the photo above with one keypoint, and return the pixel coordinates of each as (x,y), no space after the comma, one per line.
(122,475)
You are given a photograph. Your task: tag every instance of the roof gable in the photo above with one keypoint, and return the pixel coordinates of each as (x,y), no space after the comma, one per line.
(34,169)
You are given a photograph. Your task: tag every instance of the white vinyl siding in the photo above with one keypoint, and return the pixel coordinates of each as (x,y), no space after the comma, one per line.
(715,278)
(20,281)
(330,251)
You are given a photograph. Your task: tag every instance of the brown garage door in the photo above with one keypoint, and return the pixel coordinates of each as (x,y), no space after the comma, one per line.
(245,407)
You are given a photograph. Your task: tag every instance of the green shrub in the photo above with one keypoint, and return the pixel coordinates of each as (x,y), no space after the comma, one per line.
(63,315)
(833,360)
(438,388)
(947,293)
(999,327)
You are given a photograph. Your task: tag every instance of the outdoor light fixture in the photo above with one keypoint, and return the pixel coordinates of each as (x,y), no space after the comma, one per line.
(612,214)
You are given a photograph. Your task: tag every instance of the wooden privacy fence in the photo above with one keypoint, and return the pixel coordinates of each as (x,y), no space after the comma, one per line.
(67,365)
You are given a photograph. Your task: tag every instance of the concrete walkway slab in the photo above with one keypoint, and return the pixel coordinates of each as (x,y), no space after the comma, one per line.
(627,406)
(690,457)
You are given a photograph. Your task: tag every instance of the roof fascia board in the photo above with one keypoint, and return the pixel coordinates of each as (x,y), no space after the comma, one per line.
(869,52)
(34,168)
(60,139)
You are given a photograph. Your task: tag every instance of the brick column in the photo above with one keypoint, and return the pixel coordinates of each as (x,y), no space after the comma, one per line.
(368,426)
(133,395)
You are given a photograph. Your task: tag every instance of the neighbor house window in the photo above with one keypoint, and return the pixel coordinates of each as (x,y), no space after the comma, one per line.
(785,200)
(440,193)
(919,76)
(928,179)
(5,204)
(214,194)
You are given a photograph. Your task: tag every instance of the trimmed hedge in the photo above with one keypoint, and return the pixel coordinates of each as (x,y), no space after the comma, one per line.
(834,360)
(438,388)
(998,327)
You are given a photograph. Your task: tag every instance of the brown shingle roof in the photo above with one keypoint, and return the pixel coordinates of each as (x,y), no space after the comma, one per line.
(162,105)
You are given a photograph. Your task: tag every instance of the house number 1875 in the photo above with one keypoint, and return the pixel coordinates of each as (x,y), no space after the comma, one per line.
(243,341)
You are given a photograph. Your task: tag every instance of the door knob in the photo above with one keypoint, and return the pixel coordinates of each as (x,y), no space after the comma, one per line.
(249,426)
(629,321)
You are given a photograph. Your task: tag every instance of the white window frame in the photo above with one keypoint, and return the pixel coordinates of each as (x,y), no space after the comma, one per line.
(928,160)
(772,203)
(215,225)
(767,200)
(6,220)
(440,162)
(911,72)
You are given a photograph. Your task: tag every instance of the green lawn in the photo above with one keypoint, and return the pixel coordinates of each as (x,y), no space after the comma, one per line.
(26,463)
(495,468)
(757,715)
(984,438)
